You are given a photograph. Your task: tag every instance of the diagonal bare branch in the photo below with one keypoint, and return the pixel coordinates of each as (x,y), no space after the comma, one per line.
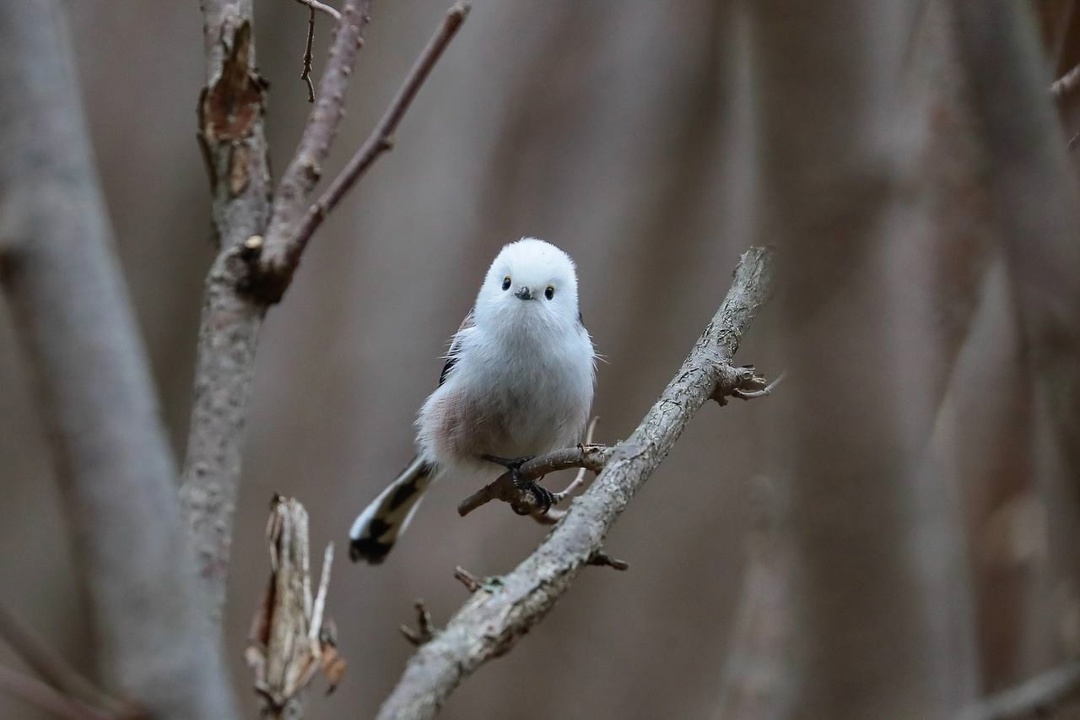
(295,223)
(55,670)
(45,697)
(498,614)
(279,254)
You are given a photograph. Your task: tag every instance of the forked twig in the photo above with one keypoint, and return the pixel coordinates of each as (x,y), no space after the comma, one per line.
(382,137)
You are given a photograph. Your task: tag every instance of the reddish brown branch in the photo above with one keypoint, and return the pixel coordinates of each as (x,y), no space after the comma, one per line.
(281,250)
(291,230)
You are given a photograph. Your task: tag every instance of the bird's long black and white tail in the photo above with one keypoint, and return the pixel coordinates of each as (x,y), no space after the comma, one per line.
(378,526)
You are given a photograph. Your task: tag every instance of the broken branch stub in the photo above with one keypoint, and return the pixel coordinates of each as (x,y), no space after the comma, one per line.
(290,638)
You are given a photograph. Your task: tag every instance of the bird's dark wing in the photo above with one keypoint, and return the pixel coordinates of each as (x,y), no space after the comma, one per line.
(455,347)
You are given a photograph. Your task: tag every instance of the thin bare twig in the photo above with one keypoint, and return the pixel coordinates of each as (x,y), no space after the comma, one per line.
(305,72)
(45,697)
(56,671)
(281,251)
(466,578)
(319,609)
(589,457)
(380,140)
(1065,84)
(579,479)
(602,559)
(314,5)
(1034,697)
(553,514)
(743,383)
(490,623)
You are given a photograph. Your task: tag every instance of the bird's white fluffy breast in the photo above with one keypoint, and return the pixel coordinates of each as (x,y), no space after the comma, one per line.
(509,400)
(522,382)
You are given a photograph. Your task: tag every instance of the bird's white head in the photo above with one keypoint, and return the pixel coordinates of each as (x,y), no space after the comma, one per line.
(530,281)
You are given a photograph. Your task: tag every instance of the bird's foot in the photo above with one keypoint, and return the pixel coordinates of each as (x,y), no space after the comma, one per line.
(542,498)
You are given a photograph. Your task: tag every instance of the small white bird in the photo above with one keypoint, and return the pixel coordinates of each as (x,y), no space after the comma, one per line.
(518,382)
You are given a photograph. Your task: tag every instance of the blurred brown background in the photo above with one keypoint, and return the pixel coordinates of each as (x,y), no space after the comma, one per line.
(923,436)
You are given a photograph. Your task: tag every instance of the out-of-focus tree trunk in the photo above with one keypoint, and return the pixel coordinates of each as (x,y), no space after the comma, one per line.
(926,480)
(76,326)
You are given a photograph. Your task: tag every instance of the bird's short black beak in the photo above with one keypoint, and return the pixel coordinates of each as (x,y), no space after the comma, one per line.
(524,293)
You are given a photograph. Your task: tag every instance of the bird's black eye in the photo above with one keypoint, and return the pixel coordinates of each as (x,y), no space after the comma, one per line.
(550,292)
(506,283)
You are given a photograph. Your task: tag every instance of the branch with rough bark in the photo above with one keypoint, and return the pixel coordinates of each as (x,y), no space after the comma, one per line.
(261,242)
(77,330)
(500,613)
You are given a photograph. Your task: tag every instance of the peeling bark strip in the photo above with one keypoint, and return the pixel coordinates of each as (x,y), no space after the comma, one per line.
(73,320)
(497,615)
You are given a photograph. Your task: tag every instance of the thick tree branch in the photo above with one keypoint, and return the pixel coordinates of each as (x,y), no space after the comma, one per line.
(232,135)
(497,615)
(260,251)
(382,137)
(74,320)
(233,140)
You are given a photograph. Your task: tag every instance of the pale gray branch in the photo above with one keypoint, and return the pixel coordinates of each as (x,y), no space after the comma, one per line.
(231,134)
(322,7)
(498,614)
(1036,697)
(1065,84)
(74,321)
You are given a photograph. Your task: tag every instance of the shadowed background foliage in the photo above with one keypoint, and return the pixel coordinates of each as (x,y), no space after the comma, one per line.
(924,442)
